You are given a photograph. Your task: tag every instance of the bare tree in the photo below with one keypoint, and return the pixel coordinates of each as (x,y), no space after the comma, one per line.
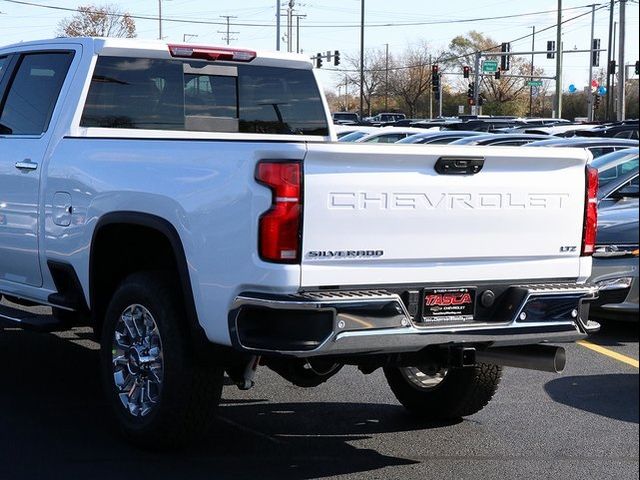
(410,79)
(374,68)
(98,21)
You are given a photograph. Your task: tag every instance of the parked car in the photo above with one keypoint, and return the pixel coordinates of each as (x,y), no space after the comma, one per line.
(441,137)
(386,118)
(597,146)
(485,124)
(342,118)
(618,130)
(615,262)
(389,135)
(504,139)
(357,133)
(616,171)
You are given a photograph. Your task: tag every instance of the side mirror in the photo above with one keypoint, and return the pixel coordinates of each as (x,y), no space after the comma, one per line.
(630,191)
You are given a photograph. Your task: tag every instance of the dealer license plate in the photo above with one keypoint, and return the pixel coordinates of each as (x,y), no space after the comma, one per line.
(448,305)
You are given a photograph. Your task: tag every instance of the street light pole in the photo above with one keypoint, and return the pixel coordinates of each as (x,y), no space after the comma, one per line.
(533,49)
(361,59)
(591,94)
(278,25)
(559,62)
(386,78)
(609,99)
(159,19)
(621,69)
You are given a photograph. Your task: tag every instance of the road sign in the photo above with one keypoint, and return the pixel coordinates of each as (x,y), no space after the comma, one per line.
(490,66)
(460,109)
(534,83)
(535,91)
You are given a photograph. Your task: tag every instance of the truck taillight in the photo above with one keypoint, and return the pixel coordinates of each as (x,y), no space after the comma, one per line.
(590,213)
(279,228)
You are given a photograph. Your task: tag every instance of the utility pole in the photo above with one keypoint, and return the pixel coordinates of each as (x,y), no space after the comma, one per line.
(621,70)
(228,33)
(361,58)
(430,91)
(609,100)
(290,8)
(533,49)
(476,81)
(591,94)
(298,17)
(559,62)
(159,19)
(386,77)
(278,25)
(346,94)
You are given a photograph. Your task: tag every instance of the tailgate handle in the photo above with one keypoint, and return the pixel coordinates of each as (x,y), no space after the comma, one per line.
(459,165)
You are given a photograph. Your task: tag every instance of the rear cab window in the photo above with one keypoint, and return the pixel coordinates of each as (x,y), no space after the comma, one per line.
(190,95)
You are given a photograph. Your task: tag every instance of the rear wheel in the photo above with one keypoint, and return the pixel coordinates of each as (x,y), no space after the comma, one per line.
(160,394)
(444,394)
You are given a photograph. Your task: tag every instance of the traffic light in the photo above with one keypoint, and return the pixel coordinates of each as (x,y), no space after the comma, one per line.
(481,100)
(505,60)
(466,70)
(318,60)
(612,67)
(551,49)
(497,74)
(637,67)
(596,102)
(336,58)
(471,91)
(435,78)
(595,56)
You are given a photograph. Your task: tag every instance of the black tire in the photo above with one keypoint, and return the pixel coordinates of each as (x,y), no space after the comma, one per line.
(190,391)
(462,392)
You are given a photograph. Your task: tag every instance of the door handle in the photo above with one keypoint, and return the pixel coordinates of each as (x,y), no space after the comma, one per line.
(27,164)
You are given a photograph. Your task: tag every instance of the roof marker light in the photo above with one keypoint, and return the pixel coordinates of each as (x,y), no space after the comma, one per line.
(211,53)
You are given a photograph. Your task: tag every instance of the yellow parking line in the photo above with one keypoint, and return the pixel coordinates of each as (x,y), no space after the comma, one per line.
(609,353)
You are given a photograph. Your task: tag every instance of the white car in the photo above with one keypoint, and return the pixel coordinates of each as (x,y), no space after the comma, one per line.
(392,134)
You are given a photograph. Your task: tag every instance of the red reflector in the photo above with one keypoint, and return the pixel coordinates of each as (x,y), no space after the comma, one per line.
(212,53)
(279,239)
(590,213)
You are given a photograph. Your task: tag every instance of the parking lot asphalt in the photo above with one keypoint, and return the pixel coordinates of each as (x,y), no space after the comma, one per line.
(582,424)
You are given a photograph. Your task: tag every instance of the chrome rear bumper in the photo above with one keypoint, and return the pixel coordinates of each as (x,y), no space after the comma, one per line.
(377,322)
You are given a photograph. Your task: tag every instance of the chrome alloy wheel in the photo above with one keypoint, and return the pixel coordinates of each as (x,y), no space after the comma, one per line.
(423,379)
(137,360)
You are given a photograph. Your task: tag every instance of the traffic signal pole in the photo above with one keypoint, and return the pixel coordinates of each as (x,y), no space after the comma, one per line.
(591,94)
(476,80)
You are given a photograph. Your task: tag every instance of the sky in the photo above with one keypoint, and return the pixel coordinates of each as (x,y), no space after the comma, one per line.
(334,25)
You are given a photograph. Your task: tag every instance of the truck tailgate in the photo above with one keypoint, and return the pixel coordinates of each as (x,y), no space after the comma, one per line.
(385,216)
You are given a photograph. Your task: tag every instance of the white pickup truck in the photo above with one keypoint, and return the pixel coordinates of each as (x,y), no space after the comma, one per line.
(189,203)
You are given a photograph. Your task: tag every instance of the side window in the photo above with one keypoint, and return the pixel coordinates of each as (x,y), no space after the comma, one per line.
(34,92)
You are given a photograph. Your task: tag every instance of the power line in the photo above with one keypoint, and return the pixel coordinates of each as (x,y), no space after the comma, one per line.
(308,25)
(450,59)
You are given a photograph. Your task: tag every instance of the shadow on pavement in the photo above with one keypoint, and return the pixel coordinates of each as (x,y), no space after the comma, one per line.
(613,395)
(614,333)
(55,424)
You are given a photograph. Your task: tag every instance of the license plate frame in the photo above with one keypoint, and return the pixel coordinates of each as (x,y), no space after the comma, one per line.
(448,305)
